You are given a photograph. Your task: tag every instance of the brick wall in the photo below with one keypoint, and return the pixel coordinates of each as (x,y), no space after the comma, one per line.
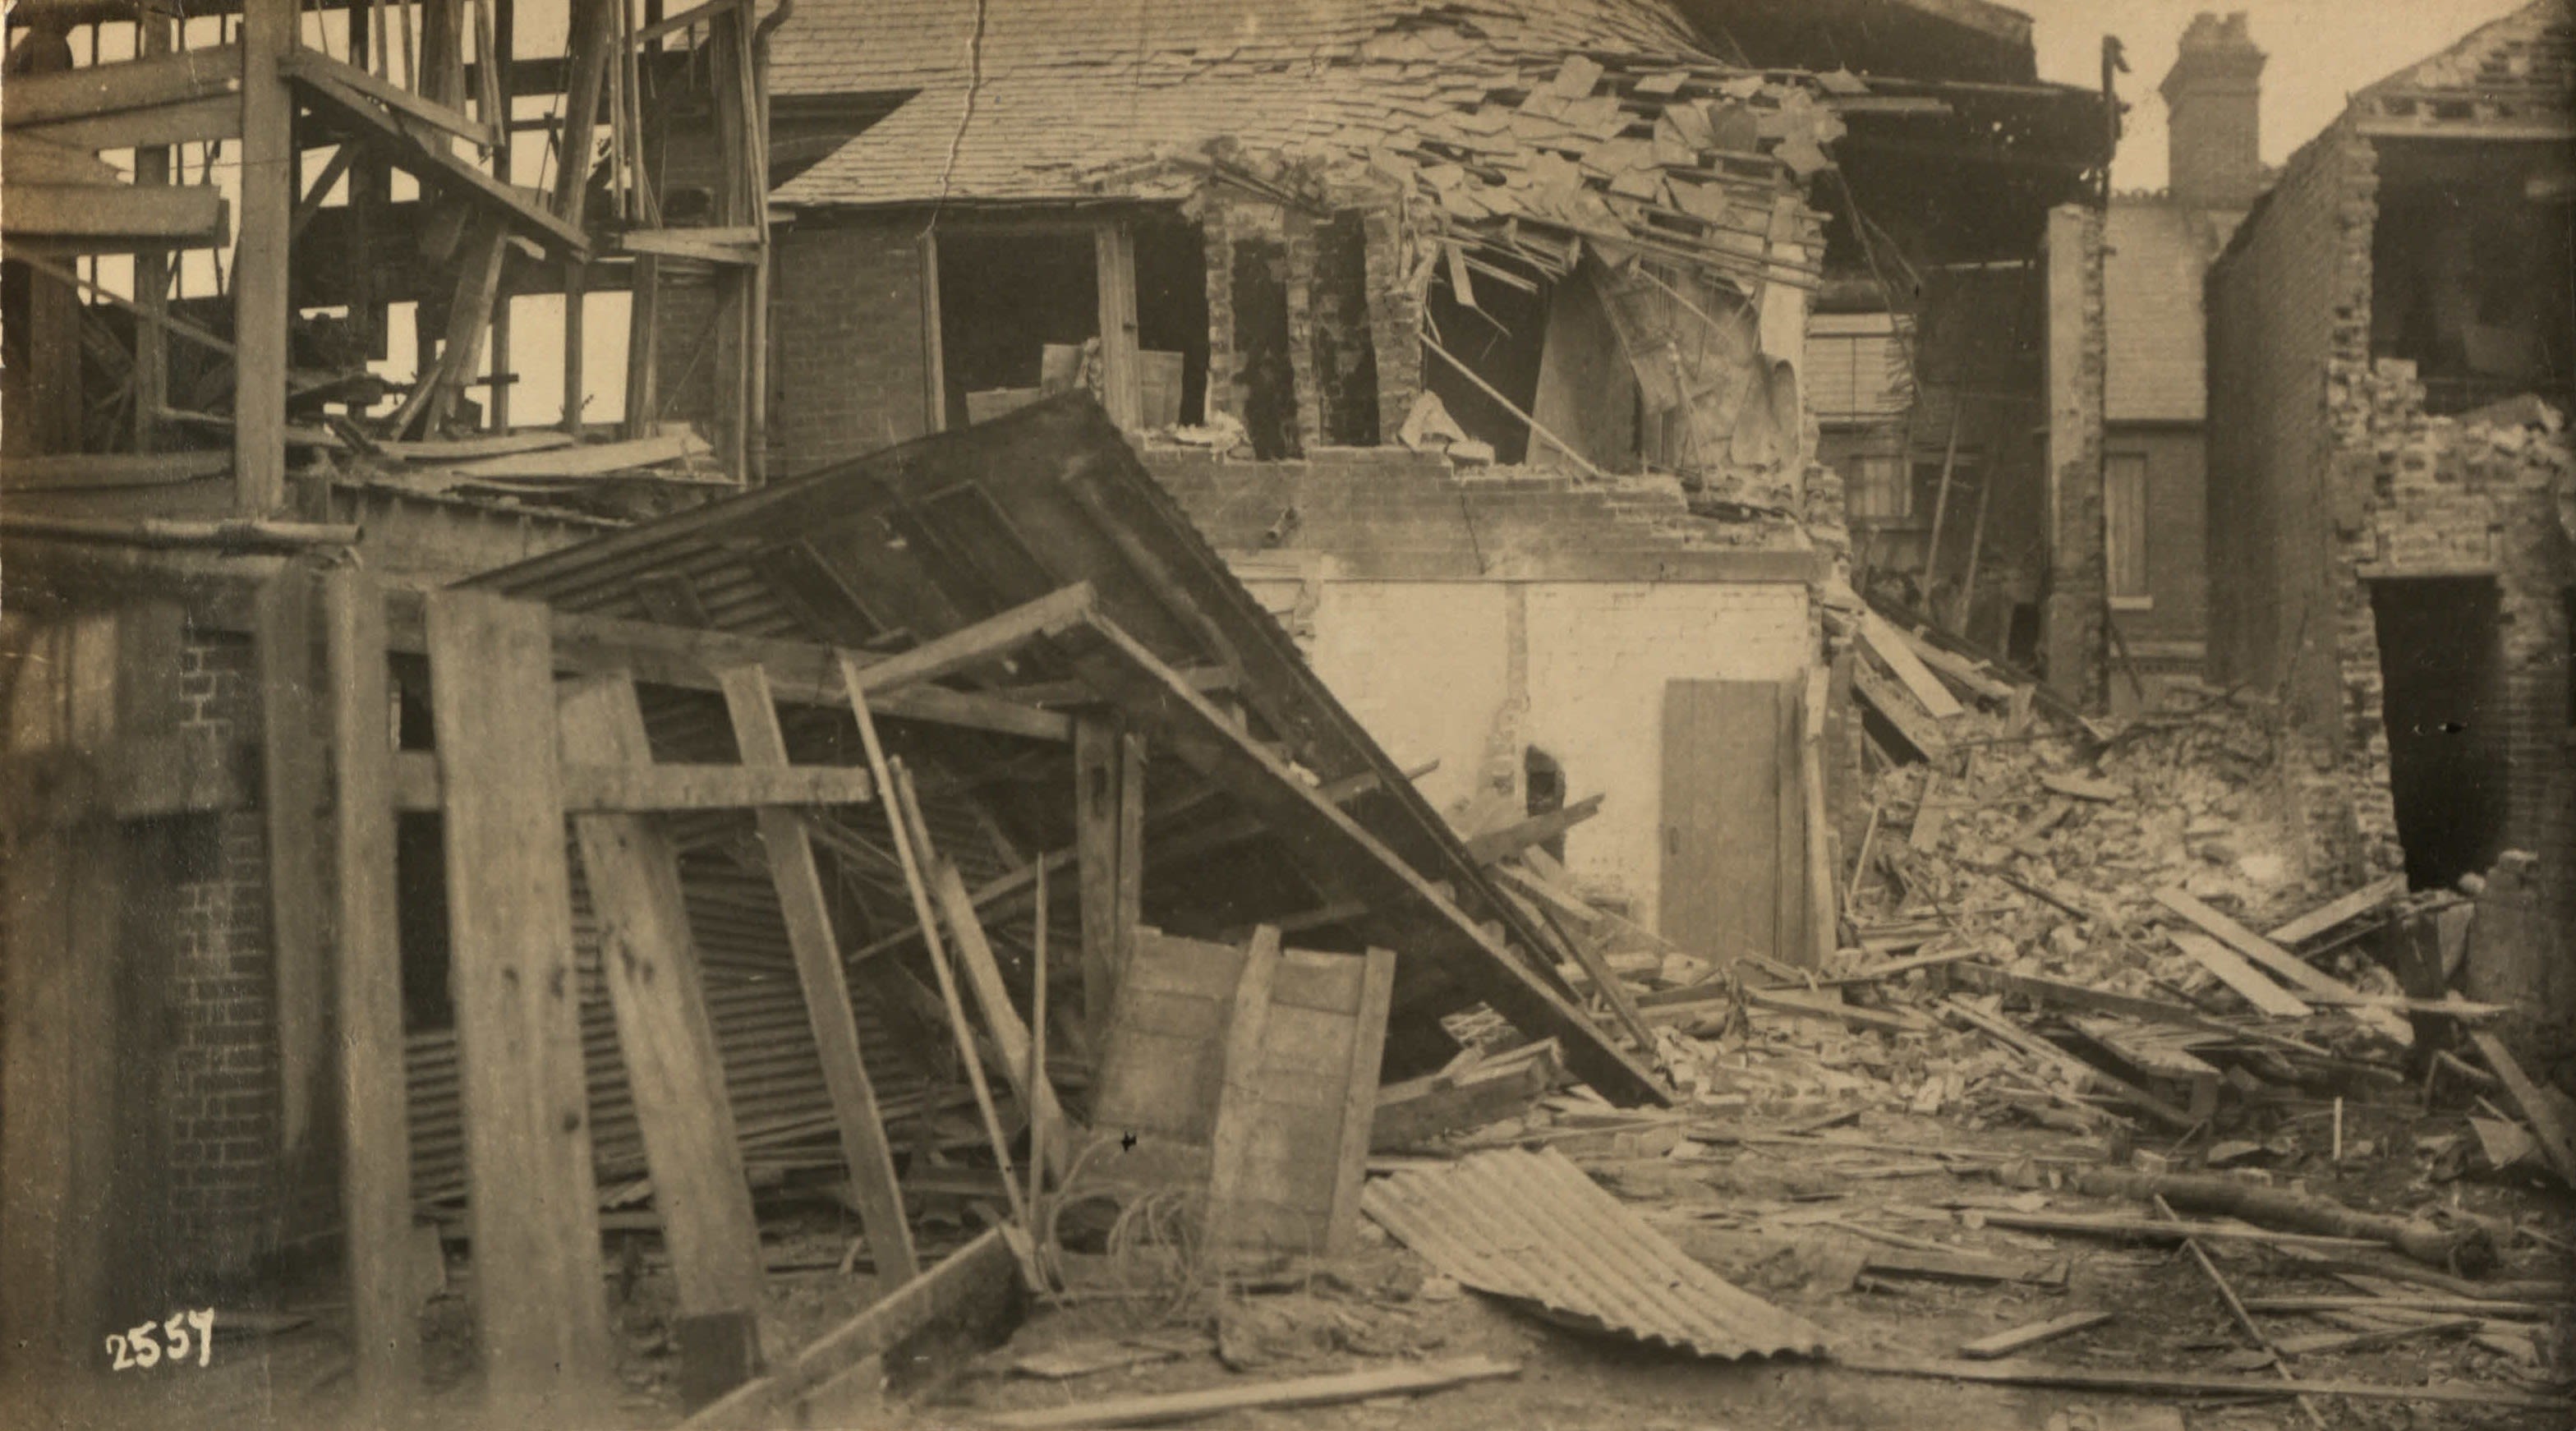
(223,1095)
(849,373)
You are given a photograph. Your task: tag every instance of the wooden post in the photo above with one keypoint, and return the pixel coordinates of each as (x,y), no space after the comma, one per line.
(643,347)
(1961,610)
(153,36)
(1131,846)
(375,1160)
(492,43)
(291,792)
(1113,247)
(650,965)
(1940,503)
(58,1059)
(576,295)
(1097,786)
(260,289)
(541,1312)
(1822,931)
(1047,1128)
(827,992)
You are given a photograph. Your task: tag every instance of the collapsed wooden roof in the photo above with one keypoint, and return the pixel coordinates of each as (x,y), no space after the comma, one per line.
(1276,806)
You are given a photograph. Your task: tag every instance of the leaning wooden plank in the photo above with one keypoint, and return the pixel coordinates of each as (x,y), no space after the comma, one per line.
(2556,1143)
(194,121)
(969,646)
(1511,839)
(2005,1343)
(807,911)
(1341,852)
(468,449)
(540,1305)
(173,215)
(2232,970)
(1902,713)
(2281,963)
(2153,1382)
(707,245)
(657,994)
(1884,642)
(1275,1395)
(92,90)
(1010,1034)
(440,167)
(1824,1007)
(2326,916)
(375,1136)
(313,64)
(982,1271)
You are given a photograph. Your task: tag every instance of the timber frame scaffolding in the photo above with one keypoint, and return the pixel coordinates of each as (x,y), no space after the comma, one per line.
(748,818)
(431,89)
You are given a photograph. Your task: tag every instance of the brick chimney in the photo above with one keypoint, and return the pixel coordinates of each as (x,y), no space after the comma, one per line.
(2211,100)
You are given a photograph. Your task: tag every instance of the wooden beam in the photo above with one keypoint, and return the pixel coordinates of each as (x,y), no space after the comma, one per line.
(291,792)
(1095,838)
(28,160)
(261,290)
(664,1036)
(375,1160)
(2288,967)
(1327,1390)
(728,245)
(1010,1034)
(986,640)
(445,170)
(2005,1343)
(807,911)
(592,24)
(2549,1129)
(1502,844)
(195,121)
(92,90)
(1114,262)
(312,65)
(2180,1383)
(540,1303)
(2326,916)
(2233,971)
(191,215)
(594,788)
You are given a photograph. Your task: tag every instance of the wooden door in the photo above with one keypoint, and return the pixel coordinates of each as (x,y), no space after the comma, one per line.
(1733,821)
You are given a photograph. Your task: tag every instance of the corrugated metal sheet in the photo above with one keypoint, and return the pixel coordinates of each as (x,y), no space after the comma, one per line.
(1532,1226)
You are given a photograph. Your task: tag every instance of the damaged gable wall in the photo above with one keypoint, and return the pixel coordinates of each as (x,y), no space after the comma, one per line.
(2333,495)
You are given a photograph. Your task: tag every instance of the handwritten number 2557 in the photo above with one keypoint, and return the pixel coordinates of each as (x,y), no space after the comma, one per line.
(139,1348)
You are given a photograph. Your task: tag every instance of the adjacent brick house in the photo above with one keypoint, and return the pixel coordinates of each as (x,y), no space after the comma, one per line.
(2158,249)
(2392,490)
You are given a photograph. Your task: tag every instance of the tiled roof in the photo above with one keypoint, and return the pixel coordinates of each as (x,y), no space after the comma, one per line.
(2519,69)
(1598,117)
(2156,254)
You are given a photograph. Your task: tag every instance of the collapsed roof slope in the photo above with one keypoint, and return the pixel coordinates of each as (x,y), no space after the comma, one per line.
(917,541)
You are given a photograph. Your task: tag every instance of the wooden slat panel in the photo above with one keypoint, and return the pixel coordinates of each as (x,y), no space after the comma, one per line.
(650,964)
(1721,818)
(540,1305)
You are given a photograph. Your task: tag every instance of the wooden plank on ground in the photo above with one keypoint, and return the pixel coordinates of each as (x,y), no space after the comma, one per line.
(2556,1143)
(2021,1338)
(2288,967)
(807,912)
(1010,1034)
(981,1271)
(375,1139)
(1331,1390)
(2183,1383)
(1889,646)
(2233,971)
(657,994)
(540,1302)
(2326,916)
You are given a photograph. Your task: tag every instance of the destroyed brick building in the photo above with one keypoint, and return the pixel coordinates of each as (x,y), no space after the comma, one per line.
(2390,475)
(708,702)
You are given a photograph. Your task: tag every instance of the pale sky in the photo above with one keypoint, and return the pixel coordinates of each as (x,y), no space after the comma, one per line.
(2322,50)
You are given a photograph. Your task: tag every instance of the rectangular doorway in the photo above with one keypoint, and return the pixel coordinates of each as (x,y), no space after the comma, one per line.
(2441,668)
(1733,820)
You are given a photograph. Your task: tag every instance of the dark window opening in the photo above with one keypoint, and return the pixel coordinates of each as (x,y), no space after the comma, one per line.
(2476,285)
(1544,781)
(1502,340)
(1172,317)
(2440,666)
(420,872)
(1265,380)
(1003,298)
(1345,349)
